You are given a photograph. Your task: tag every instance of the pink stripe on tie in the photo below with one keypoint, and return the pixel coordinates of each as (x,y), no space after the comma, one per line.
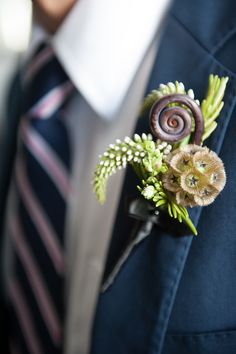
(47,158)
(42,58)
(39,218)
(37,283)
(24,317)
(50,103)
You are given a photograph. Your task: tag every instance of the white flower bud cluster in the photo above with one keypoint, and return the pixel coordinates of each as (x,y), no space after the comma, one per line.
(149,192)
(172,88)
(163,90)
(164,147)
(117,157)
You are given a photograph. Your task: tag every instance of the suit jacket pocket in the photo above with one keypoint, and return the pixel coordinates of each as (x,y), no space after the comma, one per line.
(222,342)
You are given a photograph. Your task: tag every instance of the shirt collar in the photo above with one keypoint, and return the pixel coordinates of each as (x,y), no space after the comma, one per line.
(101,45)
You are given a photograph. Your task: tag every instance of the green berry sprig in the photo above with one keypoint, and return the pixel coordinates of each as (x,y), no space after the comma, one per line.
(141,152)
(152,189)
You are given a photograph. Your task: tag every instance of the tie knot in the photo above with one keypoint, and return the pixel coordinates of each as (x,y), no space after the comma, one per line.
(47,85)
(42,55)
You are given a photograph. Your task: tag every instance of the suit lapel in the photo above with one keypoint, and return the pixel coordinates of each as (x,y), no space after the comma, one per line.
(7,152)
(8,143)
(132,316)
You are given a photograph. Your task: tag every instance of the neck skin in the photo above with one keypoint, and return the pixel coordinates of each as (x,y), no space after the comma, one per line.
(50,13)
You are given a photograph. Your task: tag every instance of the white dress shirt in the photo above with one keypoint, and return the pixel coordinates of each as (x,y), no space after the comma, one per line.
(108,49)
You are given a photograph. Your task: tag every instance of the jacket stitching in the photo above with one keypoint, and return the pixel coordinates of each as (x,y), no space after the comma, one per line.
(216,48)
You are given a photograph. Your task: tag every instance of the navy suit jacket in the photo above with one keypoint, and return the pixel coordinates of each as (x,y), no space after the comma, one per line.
(177,295)
(174,295)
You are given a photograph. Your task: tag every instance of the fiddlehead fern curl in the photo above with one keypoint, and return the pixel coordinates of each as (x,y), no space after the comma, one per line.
(172,123)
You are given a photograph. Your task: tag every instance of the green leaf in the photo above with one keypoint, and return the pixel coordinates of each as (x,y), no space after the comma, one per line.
(191,225)
(213,103)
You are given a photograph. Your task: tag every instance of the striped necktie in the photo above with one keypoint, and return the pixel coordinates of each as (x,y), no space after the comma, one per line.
(42,185)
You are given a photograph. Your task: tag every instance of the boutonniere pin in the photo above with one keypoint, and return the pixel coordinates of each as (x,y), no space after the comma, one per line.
(175,169)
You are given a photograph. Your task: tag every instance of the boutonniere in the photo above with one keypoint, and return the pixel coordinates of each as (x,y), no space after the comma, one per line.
(175,169)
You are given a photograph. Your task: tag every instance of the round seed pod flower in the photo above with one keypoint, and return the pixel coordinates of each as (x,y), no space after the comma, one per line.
(196,175)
